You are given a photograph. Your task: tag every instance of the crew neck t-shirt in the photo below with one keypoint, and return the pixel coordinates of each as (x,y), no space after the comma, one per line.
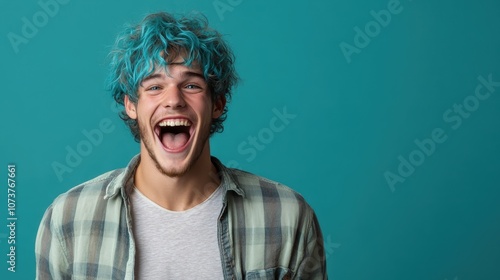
(176,244)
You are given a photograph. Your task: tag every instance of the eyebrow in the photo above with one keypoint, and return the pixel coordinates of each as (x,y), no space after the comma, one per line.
(183,74)
(192,74)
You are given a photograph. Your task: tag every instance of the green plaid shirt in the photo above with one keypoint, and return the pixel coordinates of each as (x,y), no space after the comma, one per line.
(266,230)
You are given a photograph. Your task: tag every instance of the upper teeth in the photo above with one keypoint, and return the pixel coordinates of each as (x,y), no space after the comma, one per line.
(176,122)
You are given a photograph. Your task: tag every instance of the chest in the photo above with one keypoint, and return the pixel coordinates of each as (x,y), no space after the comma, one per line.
(176,245)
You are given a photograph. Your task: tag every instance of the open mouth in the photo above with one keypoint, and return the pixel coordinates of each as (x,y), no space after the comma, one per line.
(174,134)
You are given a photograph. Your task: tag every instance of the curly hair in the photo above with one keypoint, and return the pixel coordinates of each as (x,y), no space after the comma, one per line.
(155,42)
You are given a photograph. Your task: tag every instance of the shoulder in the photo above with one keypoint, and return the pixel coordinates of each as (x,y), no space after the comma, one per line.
(271,196)
(79,217)
(83,197)
(255,185)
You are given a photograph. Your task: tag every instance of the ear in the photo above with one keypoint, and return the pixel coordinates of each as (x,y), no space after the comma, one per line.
(219,106)
(130,108)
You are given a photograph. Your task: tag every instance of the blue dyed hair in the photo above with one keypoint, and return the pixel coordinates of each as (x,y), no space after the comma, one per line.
(155,42)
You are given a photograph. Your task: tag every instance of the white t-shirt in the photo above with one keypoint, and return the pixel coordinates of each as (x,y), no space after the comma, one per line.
(176,244)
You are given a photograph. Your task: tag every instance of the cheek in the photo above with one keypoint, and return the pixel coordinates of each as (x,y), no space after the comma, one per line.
(202,106)
(145,111)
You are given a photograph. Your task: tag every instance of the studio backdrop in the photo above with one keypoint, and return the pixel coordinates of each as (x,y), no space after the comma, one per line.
(383,114)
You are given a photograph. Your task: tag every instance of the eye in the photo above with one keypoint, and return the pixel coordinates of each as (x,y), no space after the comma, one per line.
(192,86)
(153,88)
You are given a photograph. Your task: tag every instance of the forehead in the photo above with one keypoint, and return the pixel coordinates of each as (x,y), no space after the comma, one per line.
(176,70)
(180,60)
(179,57)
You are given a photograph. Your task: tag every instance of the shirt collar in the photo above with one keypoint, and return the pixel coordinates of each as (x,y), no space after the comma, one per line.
(228,179)
(119,182)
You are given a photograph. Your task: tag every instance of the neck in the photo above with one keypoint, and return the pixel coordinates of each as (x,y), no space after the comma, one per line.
(181,192)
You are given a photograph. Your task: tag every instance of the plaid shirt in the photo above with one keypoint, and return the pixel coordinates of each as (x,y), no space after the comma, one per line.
(266,230)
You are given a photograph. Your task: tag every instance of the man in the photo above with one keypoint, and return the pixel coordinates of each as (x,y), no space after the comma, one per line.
(176,212)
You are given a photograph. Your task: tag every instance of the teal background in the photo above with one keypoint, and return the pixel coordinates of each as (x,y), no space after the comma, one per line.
(352,122)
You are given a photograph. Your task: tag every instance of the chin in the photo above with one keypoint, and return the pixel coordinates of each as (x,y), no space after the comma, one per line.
(174,150)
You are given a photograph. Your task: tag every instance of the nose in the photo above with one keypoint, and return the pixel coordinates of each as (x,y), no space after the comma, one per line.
(173,98)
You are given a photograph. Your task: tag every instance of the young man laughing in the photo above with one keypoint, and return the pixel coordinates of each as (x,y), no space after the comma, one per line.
(176,212)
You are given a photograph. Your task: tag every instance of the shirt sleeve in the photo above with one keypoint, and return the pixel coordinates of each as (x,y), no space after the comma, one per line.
(51,261)
(313,264)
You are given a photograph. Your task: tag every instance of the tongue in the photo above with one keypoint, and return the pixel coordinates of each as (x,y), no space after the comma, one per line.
(174,141)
